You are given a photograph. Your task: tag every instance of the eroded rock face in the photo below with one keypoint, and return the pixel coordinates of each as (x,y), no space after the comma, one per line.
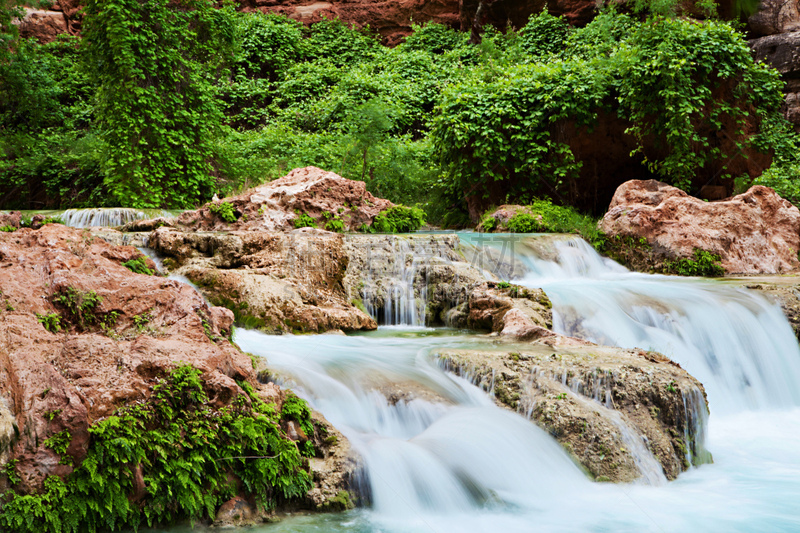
(779,49)
(754,232)
(278,282)
(275,206)
(622,414)
(775,16)
(84,365)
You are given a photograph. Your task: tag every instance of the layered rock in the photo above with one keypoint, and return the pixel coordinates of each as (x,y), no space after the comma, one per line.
(754,232)
(622,414)
(84,336)
(278,282)
(277,205)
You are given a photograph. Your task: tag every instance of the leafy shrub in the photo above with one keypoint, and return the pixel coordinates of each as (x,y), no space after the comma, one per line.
(544,217)
(335,224)
(224,210)
(544,35)
(187,452)
(304,220)
(8,229)
(399,219)
(702,263)
(435,38)
(80,306)
(50,321)
(138,266)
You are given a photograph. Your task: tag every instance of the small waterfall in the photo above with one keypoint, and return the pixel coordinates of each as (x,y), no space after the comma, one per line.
(732,340)
(396,294)
(108,216)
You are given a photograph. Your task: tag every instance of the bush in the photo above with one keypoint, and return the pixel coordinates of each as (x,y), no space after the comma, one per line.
(304,220)
(702,263)
(544,217)
(399,219)
(224,210)
(138,265)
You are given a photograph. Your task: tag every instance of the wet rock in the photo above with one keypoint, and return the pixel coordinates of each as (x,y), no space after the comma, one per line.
(236,512)
(62,371)
(277,205)
(755,232)
(622,414)
(277,282)
(10,219)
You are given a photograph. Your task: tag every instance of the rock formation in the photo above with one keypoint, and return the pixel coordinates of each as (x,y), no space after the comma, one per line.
(614,410)
(83,335)
(756,232)
(279,204)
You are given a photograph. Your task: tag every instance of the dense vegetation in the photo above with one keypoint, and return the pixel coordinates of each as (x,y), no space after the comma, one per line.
(190,455)
(164,103)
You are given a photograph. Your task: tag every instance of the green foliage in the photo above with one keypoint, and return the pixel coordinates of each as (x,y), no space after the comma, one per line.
(304,220)
(503,285)
(224,210)
(50,321)
(544,35)
(187,452)
(138,265)
(59,443)
(544,217)
(702,263)
(8,229)
(297,409)
(80,306)
(154,63)
(335,224)
(10,471)
(675,82)
(399,219)
(141,321)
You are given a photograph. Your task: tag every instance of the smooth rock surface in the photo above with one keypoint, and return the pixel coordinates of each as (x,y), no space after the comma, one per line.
(756,232)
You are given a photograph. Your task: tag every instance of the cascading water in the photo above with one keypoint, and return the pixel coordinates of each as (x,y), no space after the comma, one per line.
(450,460)
(396,293)
(735,342)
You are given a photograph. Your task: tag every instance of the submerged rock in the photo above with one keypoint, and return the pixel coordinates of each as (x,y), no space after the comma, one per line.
(622,414)
(757,232)
(84,336)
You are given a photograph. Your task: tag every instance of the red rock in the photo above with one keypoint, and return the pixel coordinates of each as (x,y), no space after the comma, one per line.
(66,380)
(757,232)
(44,26)
(277,204)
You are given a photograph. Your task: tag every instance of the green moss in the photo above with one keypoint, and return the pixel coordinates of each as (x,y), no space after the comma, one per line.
(341,502)
(398,219)
(188,453)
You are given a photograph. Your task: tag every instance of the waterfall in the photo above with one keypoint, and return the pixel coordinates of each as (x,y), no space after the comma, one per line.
(395,292)
(108,217)
(734,341)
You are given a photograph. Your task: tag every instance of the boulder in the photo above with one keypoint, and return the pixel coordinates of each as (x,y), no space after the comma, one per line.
(622,414)
(274,281)
(756,232)
(275,206)
(84,336)
(43,25)
(775,16)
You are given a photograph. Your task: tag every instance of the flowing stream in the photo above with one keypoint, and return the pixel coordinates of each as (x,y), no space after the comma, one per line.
(449,460)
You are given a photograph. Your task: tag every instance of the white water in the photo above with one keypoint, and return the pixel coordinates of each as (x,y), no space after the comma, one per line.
(451,461)
(109,216)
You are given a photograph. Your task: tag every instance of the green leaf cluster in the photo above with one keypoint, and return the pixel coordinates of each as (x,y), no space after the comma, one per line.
(398,219)
(138,265)
(224,210)
(702,263)
(190,456)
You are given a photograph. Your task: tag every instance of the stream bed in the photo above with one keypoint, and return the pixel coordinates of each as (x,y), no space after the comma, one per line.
(450,460)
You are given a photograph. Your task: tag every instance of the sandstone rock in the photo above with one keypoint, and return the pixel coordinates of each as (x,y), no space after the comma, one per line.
(276,205)
(236,512)
(755,232)
(10,219)
(42,25)
(622,414)
(278,282)
(779,51)
(65,378)
(775,16)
